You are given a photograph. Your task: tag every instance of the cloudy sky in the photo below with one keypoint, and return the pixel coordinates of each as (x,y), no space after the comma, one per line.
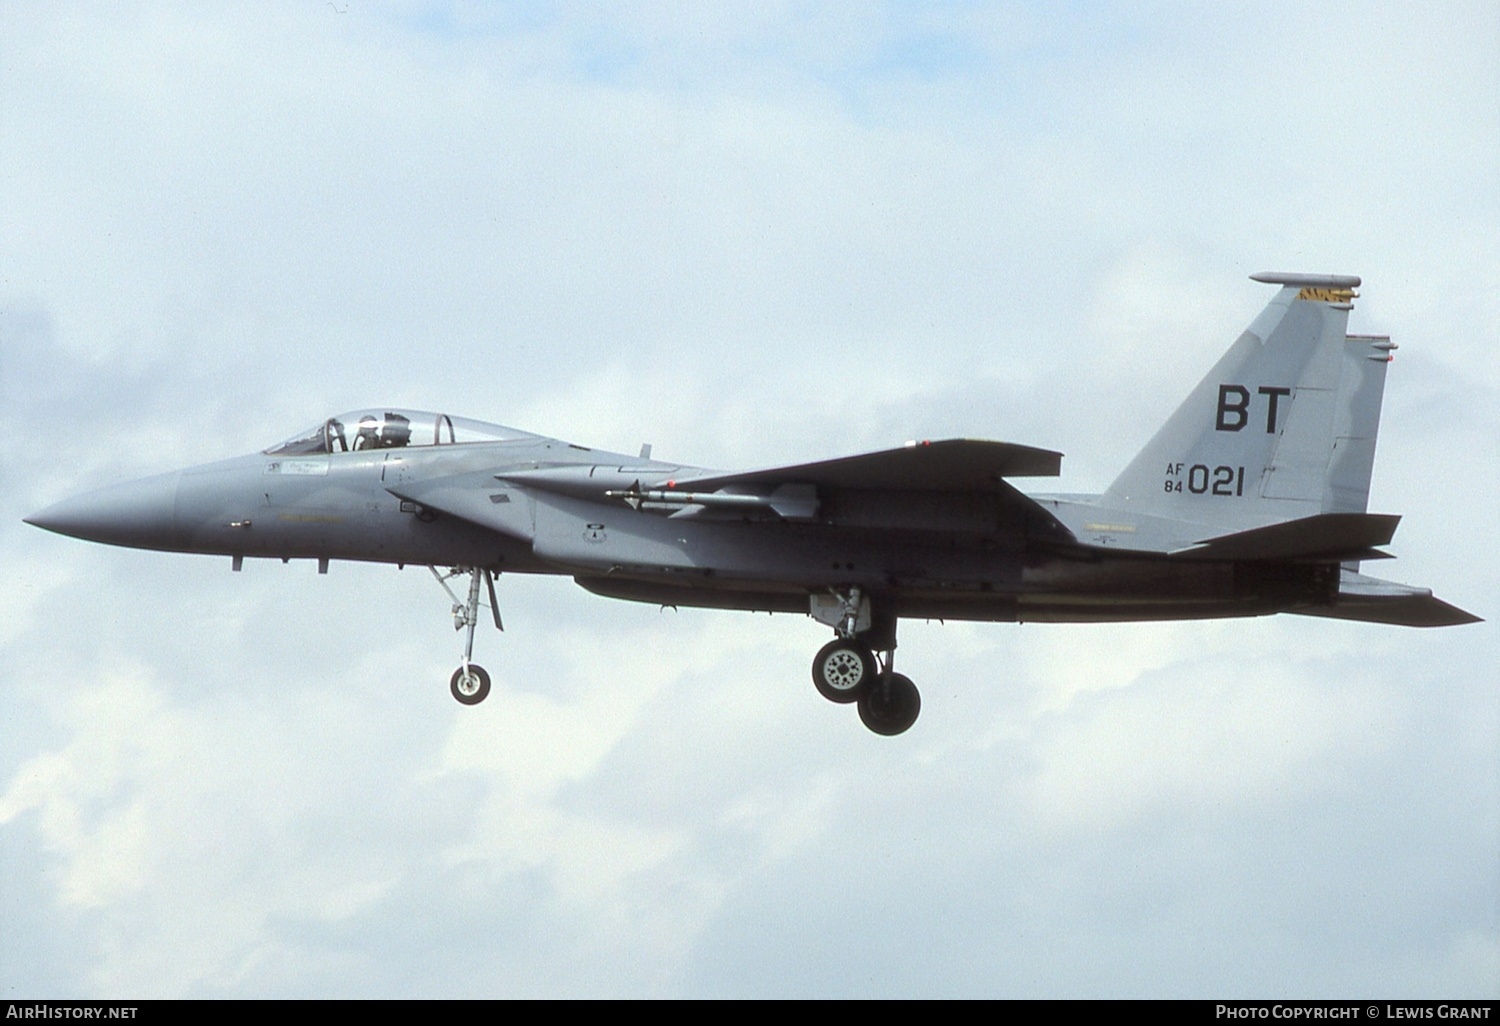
(747,234)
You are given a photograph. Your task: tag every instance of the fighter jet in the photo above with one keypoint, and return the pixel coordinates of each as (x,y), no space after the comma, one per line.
(1251,499)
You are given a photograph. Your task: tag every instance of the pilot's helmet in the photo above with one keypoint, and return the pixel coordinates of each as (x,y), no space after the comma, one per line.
(368,436)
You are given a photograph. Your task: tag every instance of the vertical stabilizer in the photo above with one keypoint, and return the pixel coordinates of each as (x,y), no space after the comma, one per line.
(1282,427)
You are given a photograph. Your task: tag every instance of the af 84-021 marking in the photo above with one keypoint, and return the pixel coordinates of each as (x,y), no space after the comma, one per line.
(1225,481)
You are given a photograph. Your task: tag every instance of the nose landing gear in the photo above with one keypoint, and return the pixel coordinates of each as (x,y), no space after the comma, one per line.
(470,683)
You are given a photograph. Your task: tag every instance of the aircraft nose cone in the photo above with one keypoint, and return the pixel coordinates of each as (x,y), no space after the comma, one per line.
(141,514)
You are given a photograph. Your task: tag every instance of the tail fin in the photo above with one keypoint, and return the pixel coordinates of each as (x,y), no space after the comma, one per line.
(1282,427)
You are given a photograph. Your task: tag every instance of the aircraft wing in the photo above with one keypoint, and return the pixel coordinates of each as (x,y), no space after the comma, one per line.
(793,492)
(897,485)
(952,465)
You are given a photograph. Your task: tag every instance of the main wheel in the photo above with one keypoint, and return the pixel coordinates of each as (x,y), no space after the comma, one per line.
(890,705)
(842,670)
(472,688)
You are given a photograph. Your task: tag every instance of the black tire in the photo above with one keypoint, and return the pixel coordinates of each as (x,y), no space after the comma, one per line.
(475,689)
(843,669)
(890,705)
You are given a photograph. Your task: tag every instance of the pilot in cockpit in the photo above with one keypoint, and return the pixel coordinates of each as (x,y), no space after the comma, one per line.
(396,433)
(392,432)
(368,435)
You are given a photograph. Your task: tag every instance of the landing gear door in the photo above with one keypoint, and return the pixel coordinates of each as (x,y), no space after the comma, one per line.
(828,608)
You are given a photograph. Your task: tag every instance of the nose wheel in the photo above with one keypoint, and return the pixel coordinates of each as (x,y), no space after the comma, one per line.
(470,685)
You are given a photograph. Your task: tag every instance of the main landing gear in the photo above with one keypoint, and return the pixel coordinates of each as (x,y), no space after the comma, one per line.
(846,669)
(470,683)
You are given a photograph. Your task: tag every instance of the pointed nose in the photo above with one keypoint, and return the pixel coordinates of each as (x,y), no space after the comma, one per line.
(141,514)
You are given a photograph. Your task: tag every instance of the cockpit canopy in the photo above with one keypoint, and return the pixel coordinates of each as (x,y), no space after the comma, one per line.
(391,429)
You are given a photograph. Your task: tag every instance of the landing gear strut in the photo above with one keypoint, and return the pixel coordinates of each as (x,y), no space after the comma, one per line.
(470,683)
(847,668)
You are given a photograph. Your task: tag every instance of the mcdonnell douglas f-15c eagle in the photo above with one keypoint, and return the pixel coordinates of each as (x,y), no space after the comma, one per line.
(1251,499)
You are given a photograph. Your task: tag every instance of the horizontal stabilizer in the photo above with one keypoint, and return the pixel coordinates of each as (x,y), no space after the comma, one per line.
(1323,536)
(953,465)
(1375,601)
